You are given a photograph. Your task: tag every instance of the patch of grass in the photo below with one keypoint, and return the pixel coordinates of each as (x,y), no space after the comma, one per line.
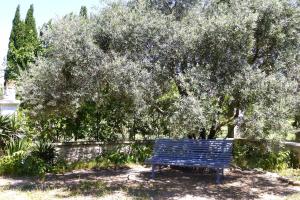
(293,174)
(80,189)
(95,188)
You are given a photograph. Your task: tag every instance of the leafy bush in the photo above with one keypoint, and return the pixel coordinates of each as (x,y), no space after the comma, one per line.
(137,153)
(44,151)
(262,154)
(21,161)
(9,164)
(20,164)
(140,152)
(33,166)
(61,166)
(115,157)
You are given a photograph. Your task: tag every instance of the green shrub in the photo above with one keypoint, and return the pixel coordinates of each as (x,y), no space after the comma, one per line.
(21,161)
(274,161)
(44,151)
(20,164)
(60,166)
(10,128)
(9,164)
(137,154)
(115,156)
(16,145)
(33,166)
(140,152)
(262,154)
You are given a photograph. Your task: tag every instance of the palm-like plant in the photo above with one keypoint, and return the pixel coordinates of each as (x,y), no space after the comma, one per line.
(44,151)
(4,122)
(9,129)
(16,145)
(4,128)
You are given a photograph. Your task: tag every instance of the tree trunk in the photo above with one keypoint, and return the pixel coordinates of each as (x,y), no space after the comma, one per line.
(97,125)
(230,126)
(233,112)
(213,130)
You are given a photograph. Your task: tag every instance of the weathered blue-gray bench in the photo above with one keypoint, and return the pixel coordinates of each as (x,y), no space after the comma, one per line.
(216,154)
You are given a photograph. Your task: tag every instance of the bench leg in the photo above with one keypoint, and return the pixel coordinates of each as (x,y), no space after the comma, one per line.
(219,175)
(153,172)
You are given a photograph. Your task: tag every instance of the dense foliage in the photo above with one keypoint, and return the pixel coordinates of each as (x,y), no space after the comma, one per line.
(22,158)
(23,44)
(10,129)
(148,68)
(22,165)
(263,154)
(83,12)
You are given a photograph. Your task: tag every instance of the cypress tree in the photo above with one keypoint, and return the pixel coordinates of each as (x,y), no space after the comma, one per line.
(31,31)
(83,12)
(23,44)
(32,40)
(14,30)
(16,41)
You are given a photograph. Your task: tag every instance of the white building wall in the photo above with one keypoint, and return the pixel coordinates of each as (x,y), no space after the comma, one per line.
(8,102)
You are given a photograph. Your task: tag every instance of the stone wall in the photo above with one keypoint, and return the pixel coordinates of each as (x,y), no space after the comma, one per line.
(75,151)
(82,151)
(295,147)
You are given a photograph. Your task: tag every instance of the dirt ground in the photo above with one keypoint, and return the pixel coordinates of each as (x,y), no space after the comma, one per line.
(135,183)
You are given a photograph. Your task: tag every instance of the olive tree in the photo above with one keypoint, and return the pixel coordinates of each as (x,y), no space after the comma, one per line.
(221,63)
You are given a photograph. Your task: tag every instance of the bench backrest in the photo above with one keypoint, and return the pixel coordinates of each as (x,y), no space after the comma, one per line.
(219,150)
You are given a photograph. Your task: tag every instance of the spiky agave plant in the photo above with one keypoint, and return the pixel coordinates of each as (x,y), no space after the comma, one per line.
(16,145)
(44,151)
(9,129)
(4,130)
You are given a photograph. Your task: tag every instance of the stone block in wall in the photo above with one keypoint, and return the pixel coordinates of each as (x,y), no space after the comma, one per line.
(78,151)
(293,146)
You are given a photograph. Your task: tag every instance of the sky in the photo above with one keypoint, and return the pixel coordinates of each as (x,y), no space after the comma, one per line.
(44,10)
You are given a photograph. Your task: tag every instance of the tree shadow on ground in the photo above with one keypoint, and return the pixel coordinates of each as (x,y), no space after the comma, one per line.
(236,185)
(168,184)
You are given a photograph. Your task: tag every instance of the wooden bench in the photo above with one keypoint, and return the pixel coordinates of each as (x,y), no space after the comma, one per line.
(216,154)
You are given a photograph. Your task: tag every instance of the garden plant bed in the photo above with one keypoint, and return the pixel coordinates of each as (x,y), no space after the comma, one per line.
(135,183)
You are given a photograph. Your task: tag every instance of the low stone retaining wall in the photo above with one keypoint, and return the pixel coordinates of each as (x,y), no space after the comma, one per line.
(75,151)
(82,151)
(295,147)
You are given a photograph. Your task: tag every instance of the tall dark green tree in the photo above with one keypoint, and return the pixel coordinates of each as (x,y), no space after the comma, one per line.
(16,41)
(16,31)
(83,12)
(23,44)
(31,32)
